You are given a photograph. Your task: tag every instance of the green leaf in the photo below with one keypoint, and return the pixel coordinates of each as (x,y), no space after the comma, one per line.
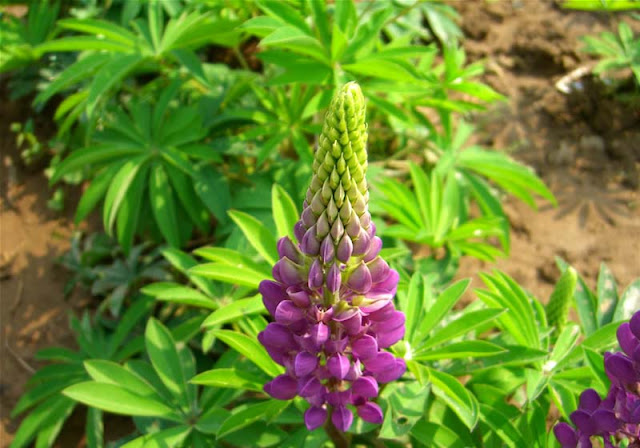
(108,372)
(81,43)
(234,311)
(431,434)
(595,361)
(229,274)
(285,213)
(166,360)
(229,378)
(462,402)
(258,235)
(629,302)
(250,348)
(502,427)
(243,416)
(564,399)
(81,158)
(129,212)
(49,412)
(94,429)
(607,295)
(94,192)
(107,30)
(169,437)
(163,205)
(443,304)
(118,400)
(109,75)
(80,70)
(566,341)
(118,189)
(463,349)
(464,324)
(179,294)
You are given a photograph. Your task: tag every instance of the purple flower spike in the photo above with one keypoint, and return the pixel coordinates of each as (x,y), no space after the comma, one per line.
(618,415)
(342,418)
(332,298)
(314,417)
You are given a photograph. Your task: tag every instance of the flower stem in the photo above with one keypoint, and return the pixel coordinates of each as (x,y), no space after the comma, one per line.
(338,438)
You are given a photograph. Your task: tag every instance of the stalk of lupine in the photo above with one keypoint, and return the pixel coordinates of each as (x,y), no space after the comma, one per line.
(616,417)
(332,294)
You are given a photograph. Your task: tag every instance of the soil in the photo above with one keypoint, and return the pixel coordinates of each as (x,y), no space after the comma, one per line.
(585,145)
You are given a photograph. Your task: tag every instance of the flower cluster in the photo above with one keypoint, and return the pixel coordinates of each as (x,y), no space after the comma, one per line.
(618,415)
(332,294)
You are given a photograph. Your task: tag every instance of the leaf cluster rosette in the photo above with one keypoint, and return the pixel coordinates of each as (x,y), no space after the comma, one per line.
(617,417)
(332,294)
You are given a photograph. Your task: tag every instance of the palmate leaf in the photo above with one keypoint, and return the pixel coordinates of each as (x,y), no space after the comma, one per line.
(51,412)
(506,173)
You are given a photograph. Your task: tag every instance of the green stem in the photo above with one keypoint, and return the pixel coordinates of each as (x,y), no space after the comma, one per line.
(338,438)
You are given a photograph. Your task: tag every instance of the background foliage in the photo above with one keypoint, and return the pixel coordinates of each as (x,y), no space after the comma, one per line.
(191,125)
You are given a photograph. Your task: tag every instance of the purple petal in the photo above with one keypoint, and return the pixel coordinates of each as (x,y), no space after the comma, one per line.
(634,323)
(339,398)
(365,386)
(282,387)
(589,401)
(299,296)
(272,294)
(342,418)
(605,421)
(398,369)
(627,339)
(365,347)
(355,371)
(315,275)
(287,272)
(319,334)
(286,248)
(361,244)
(387,288)
(314,417)
(334,278)
(288,313)
(338,366)
(336,345)
(566,435)
(305,363)
(379,269)
(345,249)
(310,244)
(299,231)
(620,369)
(583,422)
(278,335)
(378,310)
(383,361)
(375,246)
(310,387)
(353,325)
(360,279)
(370,412)
(327,250)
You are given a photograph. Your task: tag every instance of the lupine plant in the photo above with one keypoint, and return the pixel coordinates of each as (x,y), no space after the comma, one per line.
(617,417)
(332,294)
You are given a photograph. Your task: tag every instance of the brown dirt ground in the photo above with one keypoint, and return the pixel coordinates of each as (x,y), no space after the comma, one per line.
(585,146)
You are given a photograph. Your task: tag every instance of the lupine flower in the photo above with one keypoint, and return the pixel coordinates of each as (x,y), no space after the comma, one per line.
(332,295)
(616,417)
